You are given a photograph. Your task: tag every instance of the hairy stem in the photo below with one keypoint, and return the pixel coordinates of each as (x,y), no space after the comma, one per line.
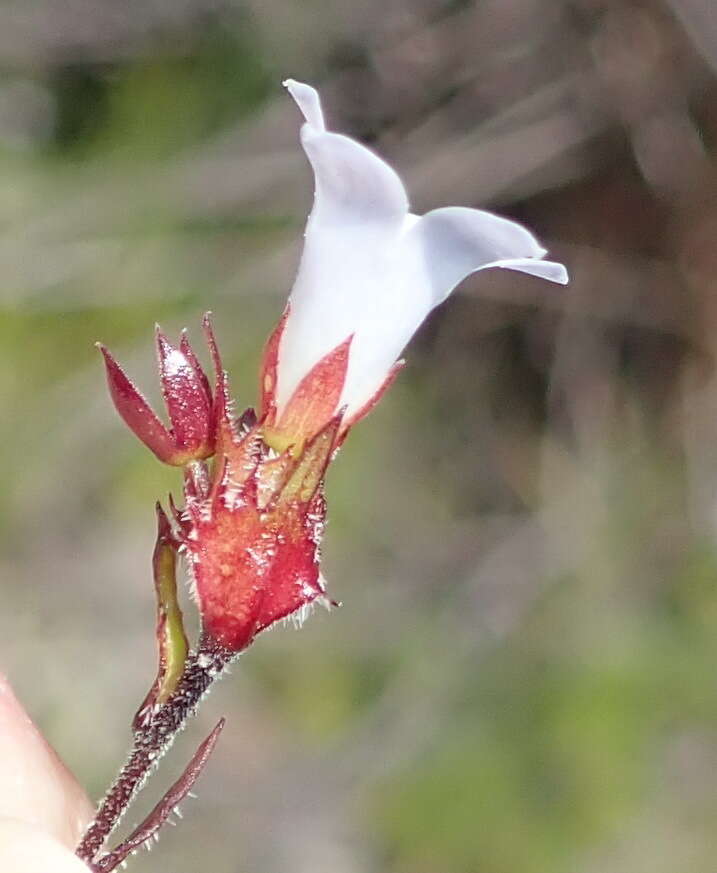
(151,741)
(164,809)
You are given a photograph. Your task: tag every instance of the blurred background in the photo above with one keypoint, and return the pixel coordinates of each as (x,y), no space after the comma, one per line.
(521,678)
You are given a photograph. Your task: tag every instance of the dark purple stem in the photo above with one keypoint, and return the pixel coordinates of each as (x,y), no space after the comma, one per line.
(151,741)
(164,809)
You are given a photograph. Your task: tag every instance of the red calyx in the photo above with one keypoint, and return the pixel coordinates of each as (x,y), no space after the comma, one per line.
(254,530)
(253,519)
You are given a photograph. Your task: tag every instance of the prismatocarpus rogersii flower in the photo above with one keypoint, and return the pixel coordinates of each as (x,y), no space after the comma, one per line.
(254,510)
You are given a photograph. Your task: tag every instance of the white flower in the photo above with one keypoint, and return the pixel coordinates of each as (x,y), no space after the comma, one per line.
(372,269)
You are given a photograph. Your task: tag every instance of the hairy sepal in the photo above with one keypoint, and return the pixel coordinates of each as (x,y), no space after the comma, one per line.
(313,403)
(253,541)
(186,395)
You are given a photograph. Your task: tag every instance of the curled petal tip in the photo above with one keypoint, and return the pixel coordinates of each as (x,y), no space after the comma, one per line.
(562,277)
(308,101)
(551,271)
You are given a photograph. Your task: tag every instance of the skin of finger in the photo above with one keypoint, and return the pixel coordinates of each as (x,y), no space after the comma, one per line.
(24,848)
(37,788)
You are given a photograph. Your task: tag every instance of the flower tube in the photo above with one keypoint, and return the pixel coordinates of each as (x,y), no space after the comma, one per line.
(370,273)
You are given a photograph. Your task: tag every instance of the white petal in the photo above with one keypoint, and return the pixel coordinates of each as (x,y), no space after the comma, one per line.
(373,270)
(308,101)
(457,241)
(359,209)
(550,270)
(434,254)
(352,183)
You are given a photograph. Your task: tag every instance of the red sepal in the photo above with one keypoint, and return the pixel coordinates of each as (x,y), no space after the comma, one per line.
(307,473)
(269,367)
(187,398)
(138,415)
(372,401)
(225,431)
(314,401)
(231,551)
(188,352)
(294,581)
(255,564)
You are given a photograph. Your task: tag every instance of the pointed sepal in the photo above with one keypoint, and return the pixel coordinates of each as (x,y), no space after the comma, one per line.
(308,471)
(294,582)
(372,402)
(314,401)
(187,397)
(172,643)
(137,414)
(269,368)
(186,349)
(224,425)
